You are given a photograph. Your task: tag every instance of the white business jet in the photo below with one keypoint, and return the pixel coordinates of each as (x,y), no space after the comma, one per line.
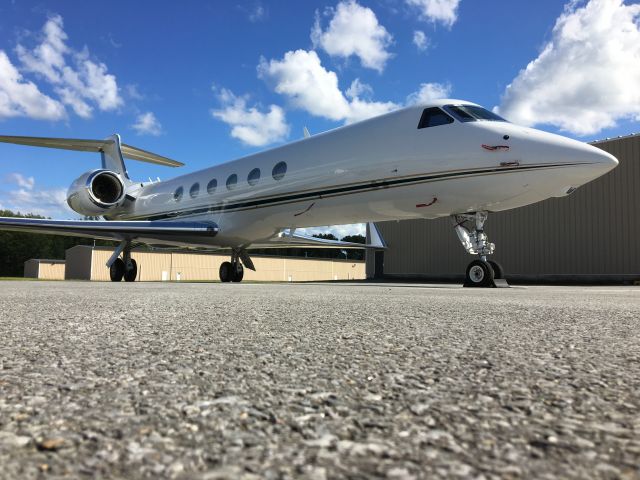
(446,158)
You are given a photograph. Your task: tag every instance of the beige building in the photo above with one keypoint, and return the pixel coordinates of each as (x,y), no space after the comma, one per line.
(44,269)
(88,263)
(592,235)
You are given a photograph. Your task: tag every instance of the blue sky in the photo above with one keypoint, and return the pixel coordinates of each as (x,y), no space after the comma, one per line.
(208,82)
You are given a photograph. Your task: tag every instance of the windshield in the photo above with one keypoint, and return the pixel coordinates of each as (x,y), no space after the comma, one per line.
(471,113)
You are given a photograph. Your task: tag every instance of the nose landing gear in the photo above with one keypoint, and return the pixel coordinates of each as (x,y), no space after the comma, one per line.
(480,272)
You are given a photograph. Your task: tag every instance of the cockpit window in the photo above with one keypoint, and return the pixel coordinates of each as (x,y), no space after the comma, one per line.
(433,117)
(471,113)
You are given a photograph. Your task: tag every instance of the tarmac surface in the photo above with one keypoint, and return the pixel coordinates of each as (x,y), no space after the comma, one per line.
(334,380)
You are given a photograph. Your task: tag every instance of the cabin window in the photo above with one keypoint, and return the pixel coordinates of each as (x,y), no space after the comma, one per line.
(471,113)
(194,190)
(253,177)
(433,117)
(177,195)
(211,186)
(279,171)
(232,181)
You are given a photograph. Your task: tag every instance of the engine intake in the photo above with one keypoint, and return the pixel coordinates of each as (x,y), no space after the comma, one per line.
(96,192)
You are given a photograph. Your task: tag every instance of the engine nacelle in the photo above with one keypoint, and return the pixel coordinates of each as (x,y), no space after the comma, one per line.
(96,193)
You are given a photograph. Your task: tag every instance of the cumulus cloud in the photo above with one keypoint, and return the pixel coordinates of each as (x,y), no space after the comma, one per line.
(309,86)
(147,124)
(587,77)
(22,181)
(24,197)
(354,30)
(443,11)
(81,82)
(248,124)
(429,92)
(21,98)
(420,40)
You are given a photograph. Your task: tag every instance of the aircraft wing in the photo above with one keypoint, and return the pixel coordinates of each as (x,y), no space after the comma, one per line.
(149,232)
(289,238)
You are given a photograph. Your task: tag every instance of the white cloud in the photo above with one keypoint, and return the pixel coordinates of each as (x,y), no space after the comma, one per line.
(26,198)
(21,98)
(147,124)
(354,30)
(443,11)
(587,77)
(22,181)
(249,125)
(420,40)
(309,86)
(429,92)
(80,85)
(257,13)
(358,89)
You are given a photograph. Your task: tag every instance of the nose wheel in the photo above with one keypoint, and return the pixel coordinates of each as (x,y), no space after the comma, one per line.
(480,272)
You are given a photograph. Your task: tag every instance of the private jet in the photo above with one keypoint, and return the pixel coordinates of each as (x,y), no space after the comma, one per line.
(447,158)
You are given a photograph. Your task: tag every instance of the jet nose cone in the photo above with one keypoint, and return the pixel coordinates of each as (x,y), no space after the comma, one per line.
(603,158)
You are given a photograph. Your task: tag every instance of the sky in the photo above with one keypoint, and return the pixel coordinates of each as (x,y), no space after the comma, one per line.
(208,82)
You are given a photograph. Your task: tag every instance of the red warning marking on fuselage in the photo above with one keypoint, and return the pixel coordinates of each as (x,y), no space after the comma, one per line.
(420,205)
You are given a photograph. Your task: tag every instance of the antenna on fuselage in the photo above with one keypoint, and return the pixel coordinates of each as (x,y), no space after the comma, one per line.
(306,133)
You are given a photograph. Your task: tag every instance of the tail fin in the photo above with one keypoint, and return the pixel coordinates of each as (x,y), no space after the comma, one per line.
(111,150)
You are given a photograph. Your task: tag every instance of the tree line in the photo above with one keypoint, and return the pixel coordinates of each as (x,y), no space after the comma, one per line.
(18,247)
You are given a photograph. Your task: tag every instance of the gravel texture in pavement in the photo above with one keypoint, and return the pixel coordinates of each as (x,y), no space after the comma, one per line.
(216,381)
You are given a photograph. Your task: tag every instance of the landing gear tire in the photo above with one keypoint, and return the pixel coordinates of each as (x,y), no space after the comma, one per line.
(238,274)
(498,271)
(226,272)
(130,275)
(479,274)
(117,270)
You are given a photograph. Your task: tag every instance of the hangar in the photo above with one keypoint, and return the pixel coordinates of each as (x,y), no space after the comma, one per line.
(84,262)
(591,236)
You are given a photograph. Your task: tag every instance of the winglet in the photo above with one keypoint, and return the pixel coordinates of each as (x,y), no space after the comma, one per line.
(374,237)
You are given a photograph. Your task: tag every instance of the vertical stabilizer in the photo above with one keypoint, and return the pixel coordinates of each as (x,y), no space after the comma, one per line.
(111,154)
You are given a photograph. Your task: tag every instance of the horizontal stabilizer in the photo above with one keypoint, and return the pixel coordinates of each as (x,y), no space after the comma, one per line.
(92,146)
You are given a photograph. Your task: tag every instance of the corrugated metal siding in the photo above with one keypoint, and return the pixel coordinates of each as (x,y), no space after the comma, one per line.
(31,268)
(51,271)
(78,263)
(594,231)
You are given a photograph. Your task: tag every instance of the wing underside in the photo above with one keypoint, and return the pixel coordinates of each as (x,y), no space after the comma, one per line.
(170,233)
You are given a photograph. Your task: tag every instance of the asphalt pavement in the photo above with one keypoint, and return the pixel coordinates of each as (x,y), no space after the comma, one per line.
(315,381)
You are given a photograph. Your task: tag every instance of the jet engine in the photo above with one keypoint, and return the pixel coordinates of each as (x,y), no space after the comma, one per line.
(96,193)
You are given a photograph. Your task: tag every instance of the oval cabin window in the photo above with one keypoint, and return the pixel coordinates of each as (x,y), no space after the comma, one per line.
(253,177)
(279,171)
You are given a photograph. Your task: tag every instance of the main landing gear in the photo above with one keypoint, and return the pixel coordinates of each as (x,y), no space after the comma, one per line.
(480,272)
(233,271)
(125,267)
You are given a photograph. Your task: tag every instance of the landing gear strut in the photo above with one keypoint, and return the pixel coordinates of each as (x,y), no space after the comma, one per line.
(233,271)
(125,267)
(480,272)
